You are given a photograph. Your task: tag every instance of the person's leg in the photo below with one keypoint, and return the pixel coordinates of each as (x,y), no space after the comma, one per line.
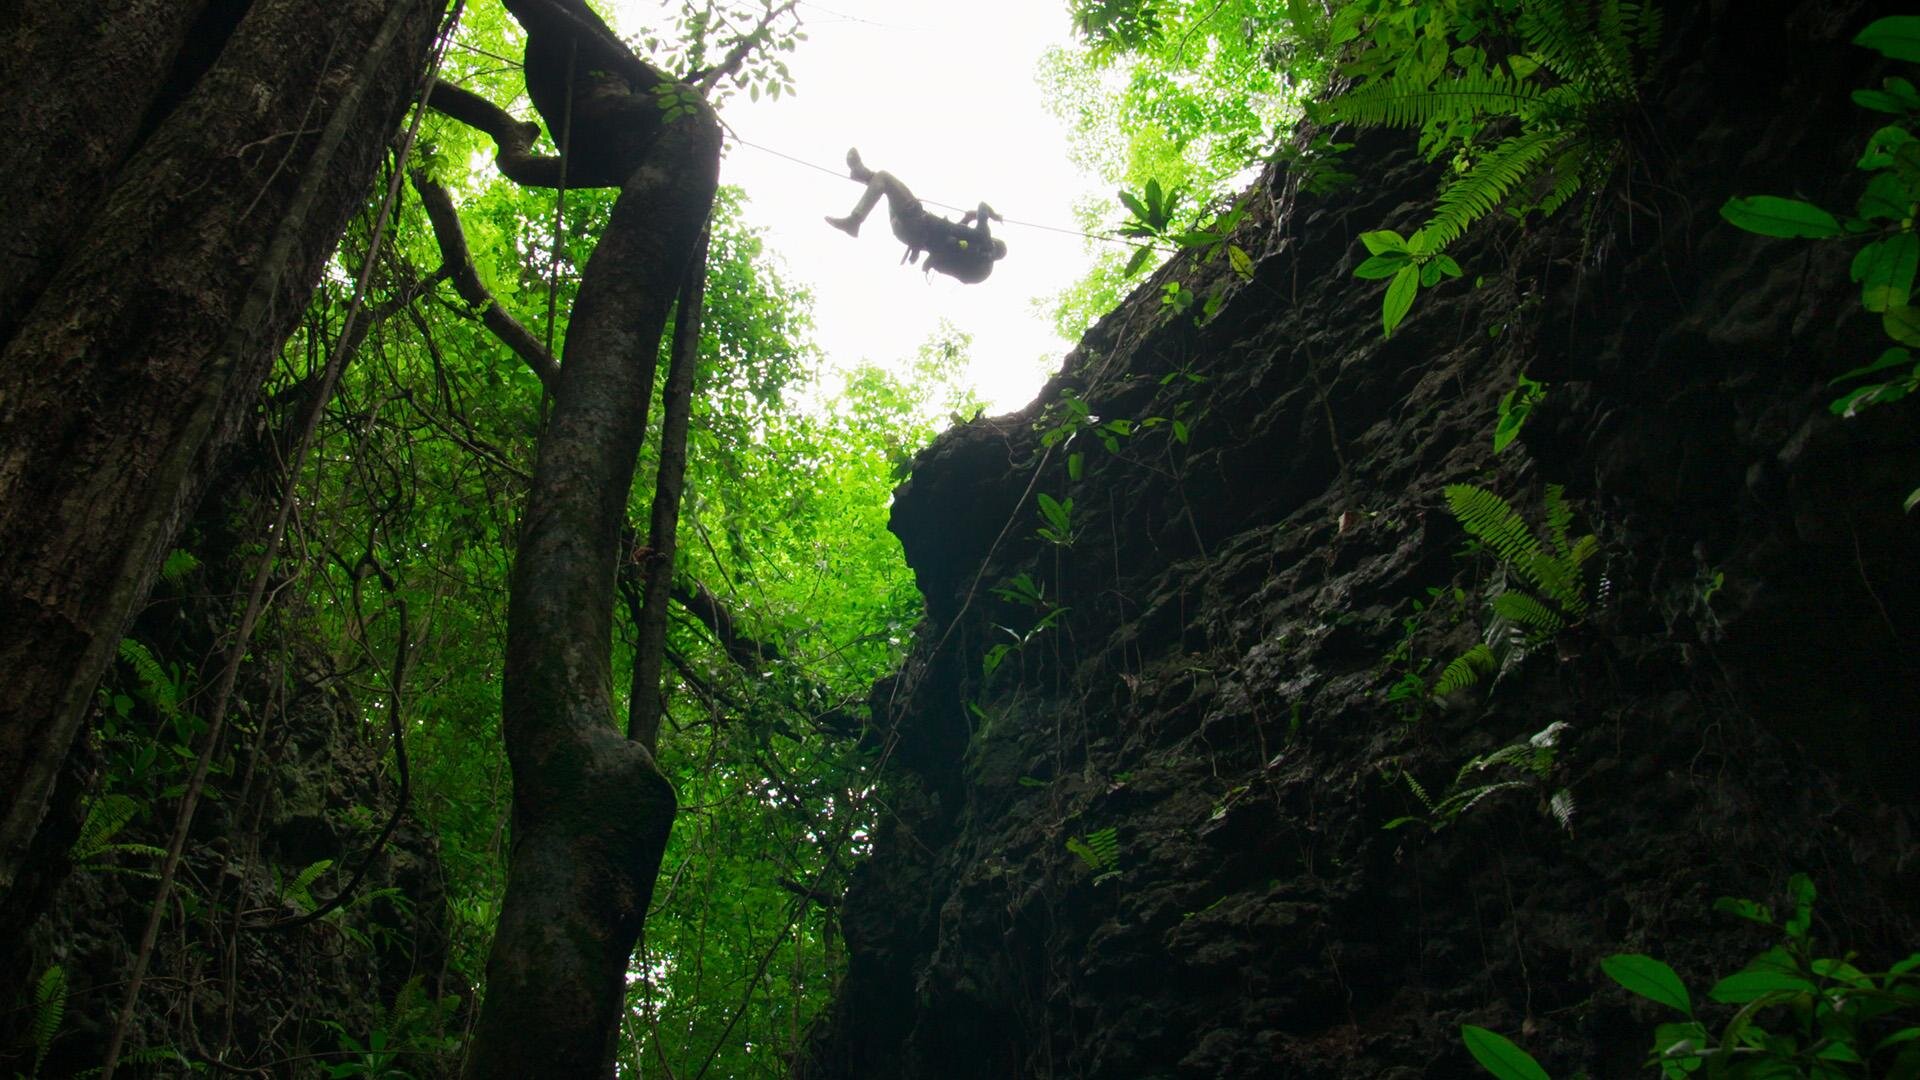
(900,201)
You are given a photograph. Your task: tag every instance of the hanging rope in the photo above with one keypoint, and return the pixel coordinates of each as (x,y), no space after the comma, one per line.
(560,198)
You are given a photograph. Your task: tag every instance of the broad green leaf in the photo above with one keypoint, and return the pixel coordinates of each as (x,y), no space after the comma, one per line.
(1498,1055)
(1430,274)
(1904,1035)
(1134,206)
(1902,323)
(1384,265)
(1745,909)
(1447,265)
(1649,978)
(1676,1042)
(1522,65)
(1885,271)
(1241,262)
(1878,101)
(1770,215)
(1897,36)
(1888,197)
(1381,241)
(1140,257)
(1747,985)
(1399,297)
(1882,147)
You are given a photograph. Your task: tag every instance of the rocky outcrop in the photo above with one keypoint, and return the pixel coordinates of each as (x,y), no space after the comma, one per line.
(1135,785)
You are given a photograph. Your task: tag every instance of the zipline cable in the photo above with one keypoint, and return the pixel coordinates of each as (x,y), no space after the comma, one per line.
(841,174)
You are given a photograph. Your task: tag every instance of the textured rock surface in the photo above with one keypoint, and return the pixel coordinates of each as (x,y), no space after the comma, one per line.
(1216,691)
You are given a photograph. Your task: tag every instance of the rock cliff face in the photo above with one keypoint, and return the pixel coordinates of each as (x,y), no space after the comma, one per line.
(1135,785)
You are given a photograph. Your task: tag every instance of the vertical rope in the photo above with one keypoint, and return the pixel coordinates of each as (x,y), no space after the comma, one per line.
(560,199)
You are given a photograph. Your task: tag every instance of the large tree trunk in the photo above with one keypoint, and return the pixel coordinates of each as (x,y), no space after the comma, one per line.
(181,172)
(591,811)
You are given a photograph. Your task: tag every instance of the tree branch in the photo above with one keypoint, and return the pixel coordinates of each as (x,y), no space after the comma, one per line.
(512,138)
(712,614)
(742,48)
(458,264)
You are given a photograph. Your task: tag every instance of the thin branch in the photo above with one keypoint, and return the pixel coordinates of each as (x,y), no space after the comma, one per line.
(458,263)
(643,718)
(706,80)
(712,614)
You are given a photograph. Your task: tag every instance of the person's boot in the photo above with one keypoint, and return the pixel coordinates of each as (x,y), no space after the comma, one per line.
(857,168)
(845,224)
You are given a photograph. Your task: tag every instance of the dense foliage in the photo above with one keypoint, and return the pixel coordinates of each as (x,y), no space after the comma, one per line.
(792,596)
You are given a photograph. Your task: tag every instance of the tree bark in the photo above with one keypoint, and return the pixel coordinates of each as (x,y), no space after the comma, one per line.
(190,167)
(591,810)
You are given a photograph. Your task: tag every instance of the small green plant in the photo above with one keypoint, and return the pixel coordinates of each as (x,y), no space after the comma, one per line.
(1527,764)
(1058,517)
(1410,692)
(1797,1015)
(414,1027)
(1154,218)
(1515,407)
(1886,265)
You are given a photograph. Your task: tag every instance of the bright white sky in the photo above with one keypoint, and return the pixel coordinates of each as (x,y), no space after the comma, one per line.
(940,93)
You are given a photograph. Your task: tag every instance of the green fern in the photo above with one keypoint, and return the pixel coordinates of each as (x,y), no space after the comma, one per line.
(1557,572)
(1524,611)
(1100,850)
(1487,184)
(1532,759)
(49,1008)
(300,889)
(1465,671)
(1491,520)
(160,686)
(1412,103)
(1568,136)
(105,818)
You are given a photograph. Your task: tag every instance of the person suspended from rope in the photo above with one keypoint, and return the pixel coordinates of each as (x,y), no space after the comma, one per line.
(964,250)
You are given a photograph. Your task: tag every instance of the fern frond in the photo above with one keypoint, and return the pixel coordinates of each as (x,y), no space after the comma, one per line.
(1420,793)
(1465,670)
(300,889)
(152,675)
(1527,611)
(107,816)
(1512,754)
(1408,103)
(1588,45)
(1492,520)
(1568,173)
(49,1008)
(1561,807)
(1483,187)
(1461,802)
(1100,849)
(1647,37)
(1559,516)
(1560,580)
